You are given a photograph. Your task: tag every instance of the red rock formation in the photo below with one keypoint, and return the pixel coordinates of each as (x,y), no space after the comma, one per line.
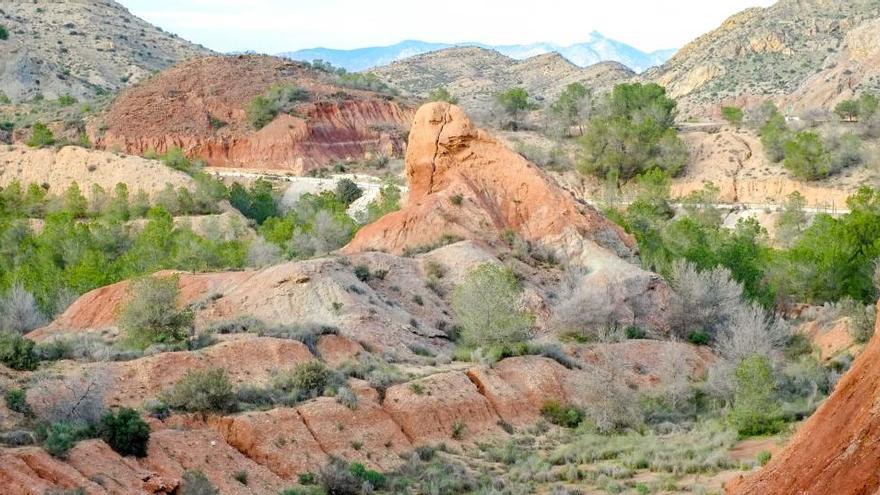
(201,106)
(463,182)
(466,184)
(836,450)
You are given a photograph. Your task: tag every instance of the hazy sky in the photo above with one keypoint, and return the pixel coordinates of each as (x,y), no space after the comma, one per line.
(274,26)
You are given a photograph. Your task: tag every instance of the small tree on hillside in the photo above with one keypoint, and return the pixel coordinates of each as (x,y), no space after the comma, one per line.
(632,132)
(847,110)
(773,130)
(41,136)
(74,202)
(755,407)
(4,33)
(514,103)
(733,115)
(806,158)
(442,94)
(152,315)
(487,307)
(793,219)
(573,106)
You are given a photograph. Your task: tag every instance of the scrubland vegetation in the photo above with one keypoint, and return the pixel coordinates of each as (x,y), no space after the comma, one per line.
(730,290)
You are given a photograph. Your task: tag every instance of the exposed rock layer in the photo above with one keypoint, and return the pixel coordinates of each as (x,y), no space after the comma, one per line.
(202,107)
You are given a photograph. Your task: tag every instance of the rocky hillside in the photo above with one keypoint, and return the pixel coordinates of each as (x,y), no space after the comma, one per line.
(81,48)
(203,107)
(805,53)
(476,75)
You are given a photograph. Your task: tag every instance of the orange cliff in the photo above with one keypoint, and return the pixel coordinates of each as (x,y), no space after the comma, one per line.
(201,106)
(837,450)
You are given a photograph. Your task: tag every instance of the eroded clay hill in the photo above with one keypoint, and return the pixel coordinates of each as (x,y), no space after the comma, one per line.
(836,449)
(201,106)
(57,169)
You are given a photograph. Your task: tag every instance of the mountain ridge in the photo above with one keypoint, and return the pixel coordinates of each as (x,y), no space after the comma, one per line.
(597,48)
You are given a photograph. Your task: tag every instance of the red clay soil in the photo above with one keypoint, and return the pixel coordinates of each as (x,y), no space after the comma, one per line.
(465,183)
(837,450)
(201,106)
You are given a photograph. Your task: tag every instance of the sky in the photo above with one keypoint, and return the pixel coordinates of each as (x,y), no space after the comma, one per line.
(274,26)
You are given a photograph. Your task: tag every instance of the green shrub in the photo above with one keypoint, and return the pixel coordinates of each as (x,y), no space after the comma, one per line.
(17,352)
(699,337)
(257,203)
(151,315)
(66,100)
(347,191)
(806,158)
(260,112)
(487,307)
(763,457)
(362,272)
(634,333)
(203,391)
(264,108)
(306,479)
(305,381)
(755,408)
(125,432)
(567,416)
(16,400)
(847,110)
(4,33)
(196,483)
(442,94)
(60,438)
(514,102)
(774,133)
(733,115)
(41,136)
(374,478)
(633,133)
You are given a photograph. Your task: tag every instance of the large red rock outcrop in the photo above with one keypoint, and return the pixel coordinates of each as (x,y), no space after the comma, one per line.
(463,182)
(201,106)
(836,450)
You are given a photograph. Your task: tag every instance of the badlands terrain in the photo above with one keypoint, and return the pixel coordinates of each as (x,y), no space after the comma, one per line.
(457,273)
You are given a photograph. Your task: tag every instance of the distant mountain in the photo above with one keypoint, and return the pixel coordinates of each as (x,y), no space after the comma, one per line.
(474,75)
(595,49)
